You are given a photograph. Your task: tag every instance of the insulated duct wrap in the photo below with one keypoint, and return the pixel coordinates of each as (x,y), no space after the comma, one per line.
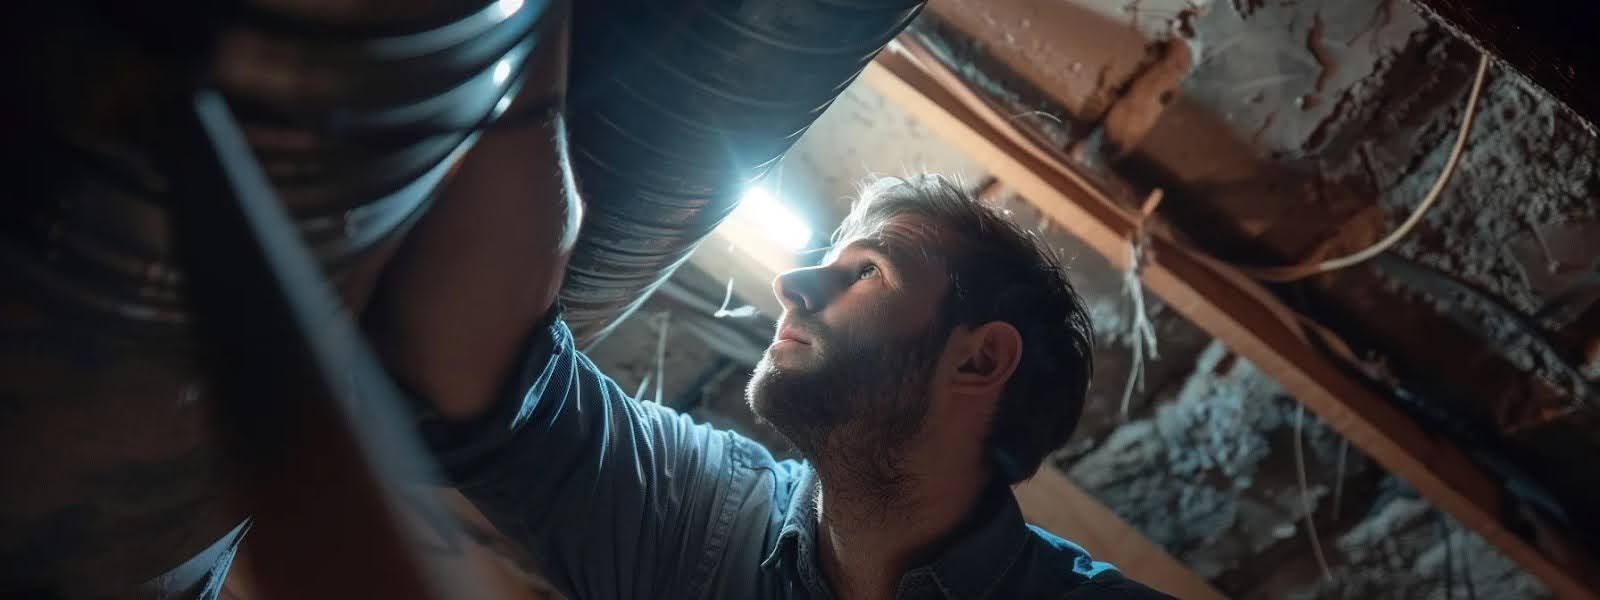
(676,107)
(110,461)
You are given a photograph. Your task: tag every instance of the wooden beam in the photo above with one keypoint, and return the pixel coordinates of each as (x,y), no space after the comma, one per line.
(1231,308)
(1053,502)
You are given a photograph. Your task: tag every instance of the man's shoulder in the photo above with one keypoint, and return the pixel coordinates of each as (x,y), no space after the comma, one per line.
(1064,554)
(1064,565)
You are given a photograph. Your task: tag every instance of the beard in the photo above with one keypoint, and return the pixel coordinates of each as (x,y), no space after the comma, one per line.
(854,403)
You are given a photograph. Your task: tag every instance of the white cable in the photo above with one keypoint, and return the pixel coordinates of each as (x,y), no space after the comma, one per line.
(1140,330)
(644,384)
(1301,271)
(661,355)
(1305,495)
(737,313)
(1338,477)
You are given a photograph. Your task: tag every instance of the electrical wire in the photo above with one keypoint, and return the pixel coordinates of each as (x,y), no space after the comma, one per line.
(1305,496)
(644,384)
(1338,476)
(1449,557)
(1304,270)
(1141,332)
(1466,569)
(984,113)
(661,355)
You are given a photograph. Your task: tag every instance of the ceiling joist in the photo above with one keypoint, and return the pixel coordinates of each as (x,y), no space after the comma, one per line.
(1235,310)
(1053,502)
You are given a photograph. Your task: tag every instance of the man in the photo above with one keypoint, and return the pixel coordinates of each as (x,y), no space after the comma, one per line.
(936,355)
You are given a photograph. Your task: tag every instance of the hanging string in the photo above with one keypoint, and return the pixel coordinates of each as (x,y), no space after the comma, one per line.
(1304,270)
(1338,476)
(661,355)
(724,312)
(1305,495)
(1141,333)
(644,384)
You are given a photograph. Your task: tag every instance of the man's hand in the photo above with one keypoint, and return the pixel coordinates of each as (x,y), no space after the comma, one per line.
(485,263)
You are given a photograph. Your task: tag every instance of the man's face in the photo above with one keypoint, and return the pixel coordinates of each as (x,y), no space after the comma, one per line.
(850,366)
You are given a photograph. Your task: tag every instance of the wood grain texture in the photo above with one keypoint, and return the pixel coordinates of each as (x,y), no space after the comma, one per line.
(1054,503)
(1236,311)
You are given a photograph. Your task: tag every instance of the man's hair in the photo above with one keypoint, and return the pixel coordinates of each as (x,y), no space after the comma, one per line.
(1000,272)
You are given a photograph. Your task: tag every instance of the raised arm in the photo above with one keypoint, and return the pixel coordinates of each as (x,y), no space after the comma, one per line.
(613,498)
(483,266)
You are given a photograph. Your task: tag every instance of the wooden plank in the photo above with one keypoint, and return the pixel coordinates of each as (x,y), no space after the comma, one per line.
(1053,502)
(1236,311)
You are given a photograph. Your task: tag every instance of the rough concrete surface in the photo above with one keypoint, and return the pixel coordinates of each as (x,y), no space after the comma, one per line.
(1080,53)
(1281,70)
(1527,168)
(1528,174)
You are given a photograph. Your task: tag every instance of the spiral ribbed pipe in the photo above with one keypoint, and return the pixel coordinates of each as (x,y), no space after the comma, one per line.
(112,468)
(676,107)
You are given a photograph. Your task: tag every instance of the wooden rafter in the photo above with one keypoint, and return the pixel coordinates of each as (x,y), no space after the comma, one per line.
(1053,502)
(1236,311)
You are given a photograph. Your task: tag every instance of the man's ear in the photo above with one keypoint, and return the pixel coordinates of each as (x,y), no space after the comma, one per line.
(992,352)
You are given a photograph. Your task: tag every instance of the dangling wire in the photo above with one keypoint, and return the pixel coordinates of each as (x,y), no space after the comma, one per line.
(1305,495)
(1466,569)
(661,355)
(724,312)
(1141,332)
(1304,270)
(1338,476)
(644,384)
(1450,556)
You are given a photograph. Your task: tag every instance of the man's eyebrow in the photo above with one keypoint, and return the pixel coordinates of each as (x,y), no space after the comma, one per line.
(896,253)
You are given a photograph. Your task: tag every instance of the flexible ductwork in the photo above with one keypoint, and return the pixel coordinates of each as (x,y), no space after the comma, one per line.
(110,461)
(676,107)
(356,110)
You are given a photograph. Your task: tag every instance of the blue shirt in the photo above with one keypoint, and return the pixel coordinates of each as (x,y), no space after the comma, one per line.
(616,498)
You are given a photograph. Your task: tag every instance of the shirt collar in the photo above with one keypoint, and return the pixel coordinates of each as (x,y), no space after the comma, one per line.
(982,552)
(976,559)
(799,522)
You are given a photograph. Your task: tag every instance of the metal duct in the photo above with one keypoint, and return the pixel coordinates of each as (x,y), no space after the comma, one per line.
(109,456)
(676,107)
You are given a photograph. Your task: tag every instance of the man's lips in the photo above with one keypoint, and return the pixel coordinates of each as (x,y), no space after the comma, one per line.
(792,334)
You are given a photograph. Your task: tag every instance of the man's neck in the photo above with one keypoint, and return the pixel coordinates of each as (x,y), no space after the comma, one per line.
(868,536)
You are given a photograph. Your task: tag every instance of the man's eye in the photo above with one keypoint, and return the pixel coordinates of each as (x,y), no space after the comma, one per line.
(867,271)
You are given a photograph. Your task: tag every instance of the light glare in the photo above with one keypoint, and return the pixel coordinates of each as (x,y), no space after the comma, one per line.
(760,210)
(507,8)
(502,71)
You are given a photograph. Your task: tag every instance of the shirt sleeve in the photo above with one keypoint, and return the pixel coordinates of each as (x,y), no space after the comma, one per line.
(613,498)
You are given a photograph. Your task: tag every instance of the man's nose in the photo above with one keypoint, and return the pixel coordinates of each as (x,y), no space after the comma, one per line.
(803,290)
